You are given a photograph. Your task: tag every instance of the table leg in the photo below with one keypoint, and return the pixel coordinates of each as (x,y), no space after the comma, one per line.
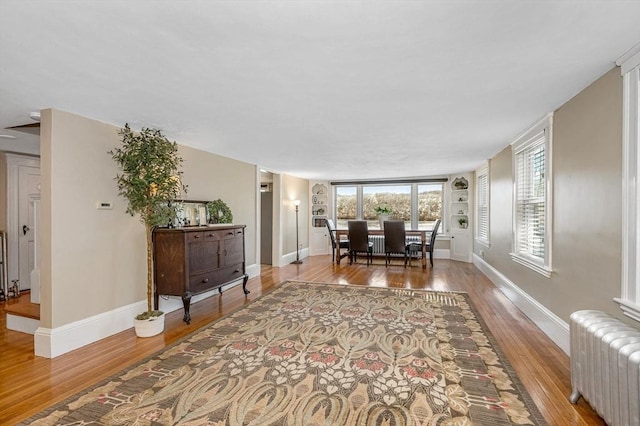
(424,253)
(338,252)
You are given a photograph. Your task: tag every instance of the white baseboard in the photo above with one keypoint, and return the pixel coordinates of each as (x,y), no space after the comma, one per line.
(50,343)
(22,324)
(551,325)
(441,254)
(290,257)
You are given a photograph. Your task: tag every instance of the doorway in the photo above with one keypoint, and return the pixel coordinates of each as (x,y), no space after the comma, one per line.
(266,217)
(23,193)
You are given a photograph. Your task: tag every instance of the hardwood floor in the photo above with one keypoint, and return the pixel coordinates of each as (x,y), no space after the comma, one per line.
(29,384)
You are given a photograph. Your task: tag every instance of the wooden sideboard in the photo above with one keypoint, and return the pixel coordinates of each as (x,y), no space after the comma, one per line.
(192,260)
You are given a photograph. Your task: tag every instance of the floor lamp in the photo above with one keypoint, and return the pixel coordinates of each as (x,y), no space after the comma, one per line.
(297,261)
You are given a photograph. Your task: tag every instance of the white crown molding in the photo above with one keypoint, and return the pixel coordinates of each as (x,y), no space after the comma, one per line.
(630,59)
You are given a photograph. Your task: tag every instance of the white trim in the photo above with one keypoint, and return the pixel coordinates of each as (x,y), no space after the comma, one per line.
(14,162)
(441,253)
(50,343)
(480,171)
(550,324)
(537,267)
(290,257)
(629,309)
(22,324)
(524,141)
(630,287)
(629,60)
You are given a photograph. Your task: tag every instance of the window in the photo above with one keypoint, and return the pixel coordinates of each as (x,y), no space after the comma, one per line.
(346,205)
(482,205)
(418,204)
(429,205)
(532,198)
(395,197)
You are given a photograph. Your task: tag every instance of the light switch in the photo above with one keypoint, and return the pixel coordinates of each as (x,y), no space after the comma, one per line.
(104,205)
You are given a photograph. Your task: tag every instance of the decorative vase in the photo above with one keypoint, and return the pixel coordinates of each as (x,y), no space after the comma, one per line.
(149,327)
(382,218)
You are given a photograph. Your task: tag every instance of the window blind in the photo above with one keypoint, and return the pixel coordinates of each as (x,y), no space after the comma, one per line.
(482,204)
(530,199)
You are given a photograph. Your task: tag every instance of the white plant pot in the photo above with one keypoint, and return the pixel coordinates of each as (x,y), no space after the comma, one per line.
(149,327)
(382,218)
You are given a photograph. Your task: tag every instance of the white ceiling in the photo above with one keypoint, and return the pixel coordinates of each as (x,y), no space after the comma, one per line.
(317,89)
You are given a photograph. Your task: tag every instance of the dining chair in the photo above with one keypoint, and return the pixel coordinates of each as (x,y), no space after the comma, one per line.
(416,246)
(395,240)
(359,240)
(344,244)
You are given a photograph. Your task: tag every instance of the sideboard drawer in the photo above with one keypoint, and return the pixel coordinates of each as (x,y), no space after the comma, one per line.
(195,236)
(230,273)
(202,282)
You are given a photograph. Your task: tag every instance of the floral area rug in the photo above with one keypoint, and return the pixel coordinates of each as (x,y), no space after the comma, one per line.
(319,354)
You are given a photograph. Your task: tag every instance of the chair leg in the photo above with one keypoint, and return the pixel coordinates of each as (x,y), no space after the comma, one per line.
(431,257)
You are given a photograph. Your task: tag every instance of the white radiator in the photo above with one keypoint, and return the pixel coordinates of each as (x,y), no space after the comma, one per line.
(378,242)
(605,366)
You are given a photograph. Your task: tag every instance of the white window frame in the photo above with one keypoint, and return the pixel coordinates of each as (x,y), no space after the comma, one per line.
(482,173)
(414,197)
(520,144)
(629,299)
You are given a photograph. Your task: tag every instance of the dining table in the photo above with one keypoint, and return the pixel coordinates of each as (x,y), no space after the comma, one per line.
(422,233)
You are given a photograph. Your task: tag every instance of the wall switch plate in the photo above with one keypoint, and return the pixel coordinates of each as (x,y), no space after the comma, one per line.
(104,205)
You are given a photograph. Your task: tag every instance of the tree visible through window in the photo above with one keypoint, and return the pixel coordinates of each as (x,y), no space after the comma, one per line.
(419,205)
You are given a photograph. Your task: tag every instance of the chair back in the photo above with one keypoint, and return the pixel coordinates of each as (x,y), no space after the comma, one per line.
(432,240)
(358,235)
(394,236)
(332,233)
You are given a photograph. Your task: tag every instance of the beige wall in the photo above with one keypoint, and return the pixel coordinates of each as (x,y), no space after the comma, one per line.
(93,261)
(210,176)
(587,206)
(294,188)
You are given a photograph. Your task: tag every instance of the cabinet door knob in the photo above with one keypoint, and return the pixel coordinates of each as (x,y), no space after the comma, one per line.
(206,280)
(236,271)
(229,233)
(196,236)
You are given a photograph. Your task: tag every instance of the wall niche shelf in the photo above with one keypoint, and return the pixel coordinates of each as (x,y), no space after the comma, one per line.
(319,205)
(460,203)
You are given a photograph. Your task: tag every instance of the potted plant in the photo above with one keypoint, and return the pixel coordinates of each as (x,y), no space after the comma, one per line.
(462,222)
(219,212)
(383,211)
(149,179)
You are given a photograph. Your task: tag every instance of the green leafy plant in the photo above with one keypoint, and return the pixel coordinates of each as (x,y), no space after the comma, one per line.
(149,179)
(383,210)
(462,221)
(219,212)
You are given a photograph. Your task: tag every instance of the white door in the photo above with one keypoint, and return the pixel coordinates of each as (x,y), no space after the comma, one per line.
(23,178)
(460,246)
(29,184)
